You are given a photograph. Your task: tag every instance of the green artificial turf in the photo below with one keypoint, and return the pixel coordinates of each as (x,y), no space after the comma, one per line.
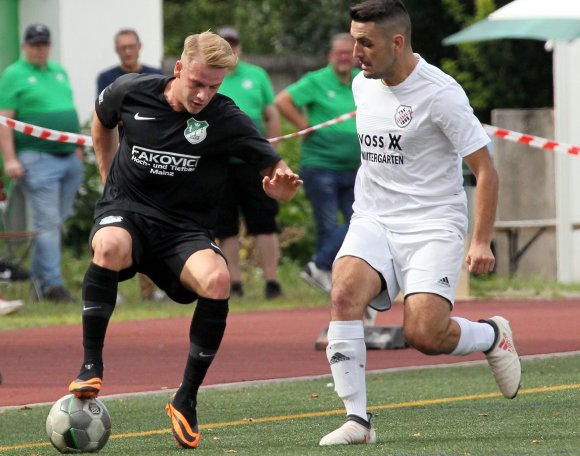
(430,411)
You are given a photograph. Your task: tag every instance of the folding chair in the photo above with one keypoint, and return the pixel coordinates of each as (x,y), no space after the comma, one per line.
(16,238)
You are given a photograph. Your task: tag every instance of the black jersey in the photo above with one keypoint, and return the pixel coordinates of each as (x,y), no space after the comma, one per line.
(173,165)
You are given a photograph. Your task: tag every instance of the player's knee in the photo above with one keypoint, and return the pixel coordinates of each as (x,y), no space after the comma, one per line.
(423,339)
(111,252)
(344,302)
(340,296)
(216,284)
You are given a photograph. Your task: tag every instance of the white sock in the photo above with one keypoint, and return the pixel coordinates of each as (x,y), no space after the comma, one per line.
(475,337)
(347,354)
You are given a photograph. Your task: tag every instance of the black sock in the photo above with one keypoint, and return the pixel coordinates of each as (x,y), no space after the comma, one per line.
(205,335)
(99,298)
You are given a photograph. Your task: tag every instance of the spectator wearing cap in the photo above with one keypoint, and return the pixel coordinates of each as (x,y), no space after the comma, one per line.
(36,90)
(128,47)
(251,89)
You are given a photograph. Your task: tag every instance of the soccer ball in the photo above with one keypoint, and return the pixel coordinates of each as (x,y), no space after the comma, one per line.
(78,425)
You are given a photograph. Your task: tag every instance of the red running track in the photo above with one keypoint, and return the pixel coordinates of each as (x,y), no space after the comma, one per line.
(38,364)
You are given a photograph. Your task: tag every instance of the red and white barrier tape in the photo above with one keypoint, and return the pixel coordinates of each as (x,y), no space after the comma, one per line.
(82,140)
(533,141)
(45,133)
(336,120)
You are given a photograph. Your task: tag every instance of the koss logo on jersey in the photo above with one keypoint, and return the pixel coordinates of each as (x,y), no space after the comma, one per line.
(403,116)
(377,141)
(164,163)
(374,148)
(196,131)
(371,140)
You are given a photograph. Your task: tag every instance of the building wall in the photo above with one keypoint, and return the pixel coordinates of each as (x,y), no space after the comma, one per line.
(82,37)
(9,44)
(567,113)
(526,191)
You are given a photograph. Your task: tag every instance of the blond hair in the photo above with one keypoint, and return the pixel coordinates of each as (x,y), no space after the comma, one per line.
(209,49)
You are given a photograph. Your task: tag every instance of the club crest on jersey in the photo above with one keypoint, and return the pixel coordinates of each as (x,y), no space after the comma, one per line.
(196,131)
(403,116)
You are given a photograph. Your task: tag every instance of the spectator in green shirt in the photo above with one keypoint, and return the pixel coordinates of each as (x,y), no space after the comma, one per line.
(251,89)
(36,90)
(330,156)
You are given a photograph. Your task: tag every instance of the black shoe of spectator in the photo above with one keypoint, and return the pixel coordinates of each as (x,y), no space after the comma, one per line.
(273,290)
(12,273)
(57,294)
(236,290)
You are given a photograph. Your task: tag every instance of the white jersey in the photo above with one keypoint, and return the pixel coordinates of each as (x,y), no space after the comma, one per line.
(413,137)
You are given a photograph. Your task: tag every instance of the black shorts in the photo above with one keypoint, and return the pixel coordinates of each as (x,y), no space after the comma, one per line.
(244,193)
(159,250)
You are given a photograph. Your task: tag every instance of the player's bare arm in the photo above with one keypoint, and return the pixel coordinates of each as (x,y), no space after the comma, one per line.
(479,256)
(105,143)
(280,182)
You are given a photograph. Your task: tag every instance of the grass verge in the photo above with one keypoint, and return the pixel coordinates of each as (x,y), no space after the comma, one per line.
(297,293)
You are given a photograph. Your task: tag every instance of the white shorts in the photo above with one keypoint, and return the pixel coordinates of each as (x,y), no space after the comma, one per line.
(426,261)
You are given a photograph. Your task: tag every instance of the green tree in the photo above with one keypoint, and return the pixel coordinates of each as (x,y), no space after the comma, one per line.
(500,73)
(495,74)
(268,27)
(256,20)
(431,23)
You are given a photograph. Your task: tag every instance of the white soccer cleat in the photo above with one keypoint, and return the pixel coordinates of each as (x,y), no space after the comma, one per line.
(352,432)
(503,358)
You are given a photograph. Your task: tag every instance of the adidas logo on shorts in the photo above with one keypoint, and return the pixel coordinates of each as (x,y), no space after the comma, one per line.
(445,282)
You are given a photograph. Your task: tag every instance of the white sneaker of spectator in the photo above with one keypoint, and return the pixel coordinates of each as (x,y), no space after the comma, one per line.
(318,278)
(9,307)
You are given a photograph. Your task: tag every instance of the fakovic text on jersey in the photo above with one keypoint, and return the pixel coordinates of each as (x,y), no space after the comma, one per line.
(164,163)
(168,163)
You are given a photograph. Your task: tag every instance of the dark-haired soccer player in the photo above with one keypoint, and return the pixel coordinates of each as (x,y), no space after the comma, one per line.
(415,125)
